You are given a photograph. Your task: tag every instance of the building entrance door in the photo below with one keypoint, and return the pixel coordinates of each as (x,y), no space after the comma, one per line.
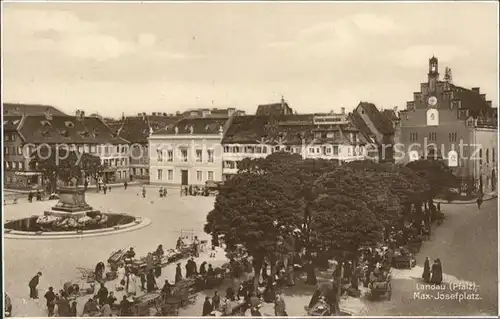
(184,177)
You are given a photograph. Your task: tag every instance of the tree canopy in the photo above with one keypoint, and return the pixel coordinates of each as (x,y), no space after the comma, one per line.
(64,164)
(437,174)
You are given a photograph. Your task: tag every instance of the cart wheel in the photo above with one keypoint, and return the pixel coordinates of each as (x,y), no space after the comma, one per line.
(389,291)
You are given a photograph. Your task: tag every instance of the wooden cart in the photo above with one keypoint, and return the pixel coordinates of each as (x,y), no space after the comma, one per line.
(378,289)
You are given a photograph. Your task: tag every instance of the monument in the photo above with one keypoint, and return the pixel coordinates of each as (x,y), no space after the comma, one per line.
(71,204)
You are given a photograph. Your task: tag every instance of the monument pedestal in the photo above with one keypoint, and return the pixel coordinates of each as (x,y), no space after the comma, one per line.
(71,203)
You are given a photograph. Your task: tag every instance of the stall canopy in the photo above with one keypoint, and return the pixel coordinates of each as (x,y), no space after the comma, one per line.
(28,173)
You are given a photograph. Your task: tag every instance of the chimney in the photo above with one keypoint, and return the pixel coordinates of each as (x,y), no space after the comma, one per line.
(476,90)
(342,110)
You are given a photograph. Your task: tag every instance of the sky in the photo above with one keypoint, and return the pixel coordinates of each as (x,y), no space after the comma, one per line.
(115,58)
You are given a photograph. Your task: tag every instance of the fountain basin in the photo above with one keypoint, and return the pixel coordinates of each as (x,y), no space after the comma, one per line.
(27,228)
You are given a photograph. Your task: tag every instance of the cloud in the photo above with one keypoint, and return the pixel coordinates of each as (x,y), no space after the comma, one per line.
(412,57)
(64,32)
(341,37)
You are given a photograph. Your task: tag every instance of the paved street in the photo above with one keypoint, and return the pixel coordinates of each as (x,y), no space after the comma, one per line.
(58,259)
(466,243)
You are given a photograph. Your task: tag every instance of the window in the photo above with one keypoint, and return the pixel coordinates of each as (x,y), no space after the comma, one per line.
(258,149)
(6,150)
(21,165)
(328,150)
(19,150)
(236,149)
(210,176)
(335,150)
(493,155)
(348,151)
(432,136)
(14,165)
(160,175)
(198,155)
(413,137)
(487,155)
(210,154)
(199,176)
(159,154)
(277,148)
(92,148)
(311,150)
(452,137)
(170,174)
(227,149)
(6,165)
(480,156)
(106,162)
(264,149)
(170,156)
(184,155)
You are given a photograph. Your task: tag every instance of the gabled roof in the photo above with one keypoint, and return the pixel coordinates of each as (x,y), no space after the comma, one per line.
(381,122)
(274,109)
(390,114)
(471,100)
(284,129)
(67,129)
(136,129)
(29,109)
(197,126)
(11,122)
(365,131)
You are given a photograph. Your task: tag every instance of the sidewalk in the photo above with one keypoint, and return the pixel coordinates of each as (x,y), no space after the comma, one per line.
(133,183)
(486,197)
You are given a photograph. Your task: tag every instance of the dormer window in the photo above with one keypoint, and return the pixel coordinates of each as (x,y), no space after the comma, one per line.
(64,133)
(69,124)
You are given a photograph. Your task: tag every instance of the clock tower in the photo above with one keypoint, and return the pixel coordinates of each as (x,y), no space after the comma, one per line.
(433,75)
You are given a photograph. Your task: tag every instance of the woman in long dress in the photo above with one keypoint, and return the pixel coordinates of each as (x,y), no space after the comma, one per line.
(427,270)
(131,284)
(437,272)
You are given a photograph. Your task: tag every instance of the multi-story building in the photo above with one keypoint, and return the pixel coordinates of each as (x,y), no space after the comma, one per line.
(23,134)
(378,129)
(188,152)
(456,124)
(326,136)
(136,130)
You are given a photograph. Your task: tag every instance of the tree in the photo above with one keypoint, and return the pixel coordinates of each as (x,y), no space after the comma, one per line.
(343,224)
(437,175)
(372,188)
(59,163)
(250,210)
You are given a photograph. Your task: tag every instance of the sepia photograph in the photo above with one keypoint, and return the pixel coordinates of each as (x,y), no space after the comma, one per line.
(250,158)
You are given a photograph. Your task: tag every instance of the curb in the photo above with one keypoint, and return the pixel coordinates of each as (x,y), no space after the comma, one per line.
(74,235)
(443,202)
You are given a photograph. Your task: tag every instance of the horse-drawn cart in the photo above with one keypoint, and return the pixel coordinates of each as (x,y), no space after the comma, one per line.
(403,258)
(380,288)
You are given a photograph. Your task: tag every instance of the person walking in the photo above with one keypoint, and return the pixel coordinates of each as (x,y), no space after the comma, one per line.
(479,202)
(30,197)
(33,284)
(216,301)
(125,185)
(178,273)
(207,307)
(427,270)
(50,296)
(279,305)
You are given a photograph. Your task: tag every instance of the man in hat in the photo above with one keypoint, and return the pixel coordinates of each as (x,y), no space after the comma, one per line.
(33,284)
(178,273)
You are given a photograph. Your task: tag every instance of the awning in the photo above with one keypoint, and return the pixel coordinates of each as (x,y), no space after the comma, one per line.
(109,170)
(28,173)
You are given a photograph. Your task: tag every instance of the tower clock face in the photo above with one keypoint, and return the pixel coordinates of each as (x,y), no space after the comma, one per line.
(432,100)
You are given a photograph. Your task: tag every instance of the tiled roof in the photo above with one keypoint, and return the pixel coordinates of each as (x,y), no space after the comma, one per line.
(285,129)
(11,122)
(200,126)
(382,123)
(390,114)
(29,109)
(365,131)
(274,109)
(67,129)
(137,129)
(471,100)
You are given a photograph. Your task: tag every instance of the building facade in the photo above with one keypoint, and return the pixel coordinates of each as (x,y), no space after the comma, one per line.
(378,129)
(326,136)
(188,152)
(24,134)
(455,124)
